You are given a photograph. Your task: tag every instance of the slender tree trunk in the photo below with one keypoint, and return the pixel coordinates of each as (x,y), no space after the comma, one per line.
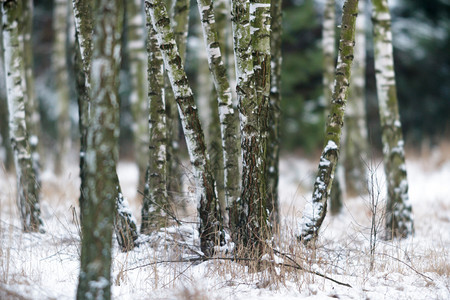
(61,76)
(156,204)
(28,188)
(33,116)
(354,155)
(138,86)
(329,66)
(180,21)
(4,128)
(228,124)
(101,154)
(83,29)
(273,145)
(210,221)
(125,224)
(315,211)
(399,218)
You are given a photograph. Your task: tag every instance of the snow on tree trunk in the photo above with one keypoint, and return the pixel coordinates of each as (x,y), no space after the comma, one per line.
(315,211)
(210,222)
(61,79)
(273,144)
(399,218)
(27,185)
(155,204)
(228,123)
(138,84)
(354,155)
(125,225)
(329,66)
(8,159)
(101,154)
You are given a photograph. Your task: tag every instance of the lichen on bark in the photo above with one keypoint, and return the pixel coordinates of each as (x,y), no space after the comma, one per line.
(315,211)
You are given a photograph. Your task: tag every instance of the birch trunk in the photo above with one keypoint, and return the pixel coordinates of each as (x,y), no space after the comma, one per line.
(155,203)
(399,218)
(228,124)
(315,211)
(210,222)
(102,154)
(33,116)
(8,159)
(273,144)
(329,66)
(61,77)
(354,156)
(138,84)
(27,184)
(125,224)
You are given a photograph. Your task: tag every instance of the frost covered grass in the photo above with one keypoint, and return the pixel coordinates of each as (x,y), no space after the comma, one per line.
(166,264)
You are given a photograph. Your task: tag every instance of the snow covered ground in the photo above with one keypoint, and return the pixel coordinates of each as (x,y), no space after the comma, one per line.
(45,266)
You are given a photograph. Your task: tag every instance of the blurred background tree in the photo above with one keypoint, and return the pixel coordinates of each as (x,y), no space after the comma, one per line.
(422,63)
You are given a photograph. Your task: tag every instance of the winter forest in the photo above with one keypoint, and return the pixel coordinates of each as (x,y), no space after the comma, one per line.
(224,149)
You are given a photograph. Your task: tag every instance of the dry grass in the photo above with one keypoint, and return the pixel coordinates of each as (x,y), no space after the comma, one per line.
(156,268)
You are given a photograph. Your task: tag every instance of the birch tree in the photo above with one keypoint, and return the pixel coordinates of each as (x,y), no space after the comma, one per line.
(210,221)
(28,188)
(4,128)
(329,66)
(399,218)
(124,222)
(156,204)
(248,215)
(138,83)
(102,154)
(315,211)
(354,155)
(179,15)
(61,77)
(33,117)
(228,124)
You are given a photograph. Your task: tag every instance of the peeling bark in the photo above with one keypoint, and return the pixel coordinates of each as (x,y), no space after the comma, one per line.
(399,218)
(315,211)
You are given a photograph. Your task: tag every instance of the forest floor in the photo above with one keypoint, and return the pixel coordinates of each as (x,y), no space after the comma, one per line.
(46,266)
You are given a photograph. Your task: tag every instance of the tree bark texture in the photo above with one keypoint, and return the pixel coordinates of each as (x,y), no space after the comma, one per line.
(210,222)
(155,204)
(28,187)
(138,79)
(102,154)
(315,211)
(354,155)
(248,215)
(228,123)
(179,16)
(399,218)
(125,224)
(329,67)
(61,77)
